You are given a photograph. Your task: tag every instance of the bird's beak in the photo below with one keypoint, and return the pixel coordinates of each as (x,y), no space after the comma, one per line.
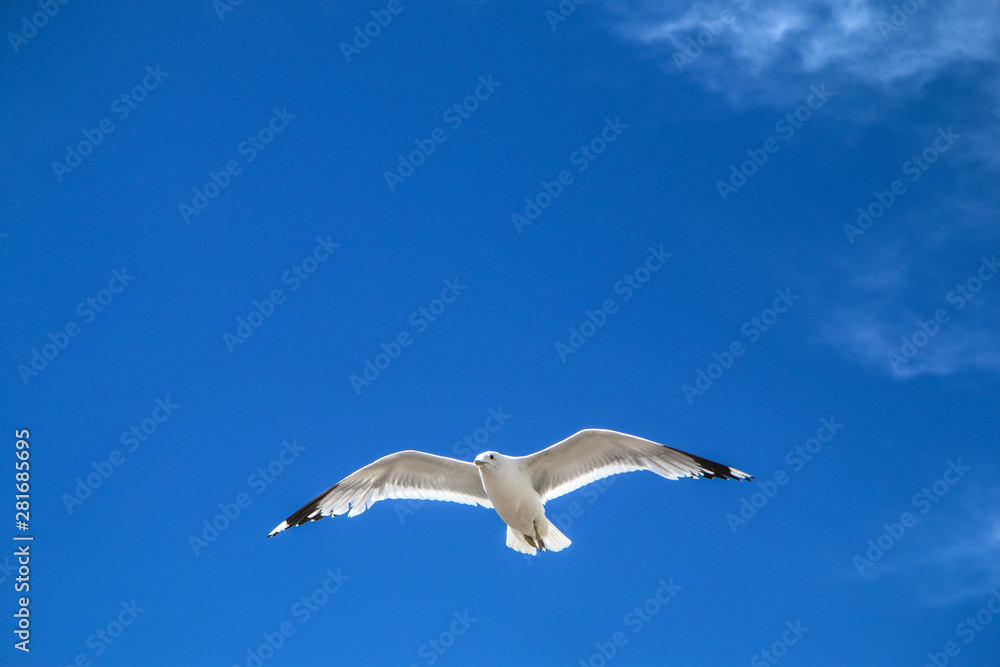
(479,462)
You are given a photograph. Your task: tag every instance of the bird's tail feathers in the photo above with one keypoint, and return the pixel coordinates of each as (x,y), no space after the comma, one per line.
(516,541)
(547,537)
(554,539)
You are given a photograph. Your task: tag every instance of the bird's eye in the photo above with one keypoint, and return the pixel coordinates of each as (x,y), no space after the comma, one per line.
(491,456)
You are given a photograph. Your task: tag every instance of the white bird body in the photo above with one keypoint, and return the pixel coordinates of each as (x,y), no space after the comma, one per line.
(507,483)
(511,493)
(516,487)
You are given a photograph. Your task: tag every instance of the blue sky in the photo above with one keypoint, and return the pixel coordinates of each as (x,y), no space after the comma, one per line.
(764,233)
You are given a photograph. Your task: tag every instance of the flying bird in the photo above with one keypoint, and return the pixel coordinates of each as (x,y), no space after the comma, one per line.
(517,487)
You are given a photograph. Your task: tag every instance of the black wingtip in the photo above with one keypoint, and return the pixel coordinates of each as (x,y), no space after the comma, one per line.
(302,515)
(713,470)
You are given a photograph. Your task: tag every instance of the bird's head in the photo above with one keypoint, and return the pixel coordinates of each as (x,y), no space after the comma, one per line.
(489,460)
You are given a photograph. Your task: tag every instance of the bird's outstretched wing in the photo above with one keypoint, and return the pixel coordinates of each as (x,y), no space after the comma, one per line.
(593,454)
(409,475)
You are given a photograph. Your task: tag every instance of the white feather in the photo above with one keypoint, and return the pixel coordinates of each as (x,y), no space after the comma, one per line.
(594,454)
(403,475)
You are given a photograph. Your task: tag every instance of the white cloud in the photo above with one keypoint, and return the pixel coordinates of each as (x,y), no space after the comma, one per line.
(901,274)
(940,65)
(770,46)
(952,556)
(959,347)
(959,559)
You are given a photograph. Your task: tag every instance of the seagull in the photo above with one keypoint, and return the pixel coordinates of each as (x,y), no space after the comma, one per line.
(517,487)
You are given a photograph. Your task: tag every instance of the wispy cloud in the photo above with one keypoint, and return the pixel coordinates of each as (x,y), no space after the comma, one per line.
(895,64)
(952,559)
(960,559)
(920,296)
(770,47)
